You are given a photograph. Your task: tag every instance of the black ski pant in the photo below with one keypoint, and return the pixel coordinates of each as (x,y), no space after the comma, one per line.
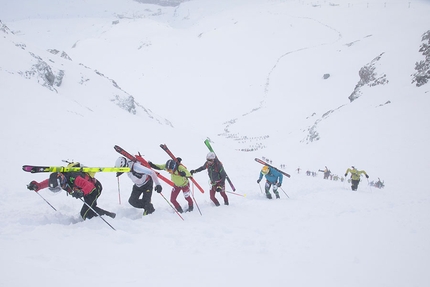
(91,200)
(354,184)
(146,192)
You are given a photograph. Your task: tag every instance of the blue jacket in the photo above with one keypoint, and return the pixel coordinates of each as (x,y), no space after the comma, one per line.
(273,176)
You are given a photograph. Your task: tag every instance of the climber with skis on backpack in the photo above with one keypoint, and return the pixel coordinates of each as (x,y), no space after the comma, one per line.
(355,176)
(143,180)
(273,177)
(326,172)
(78,185)
(179,176)
(217,177)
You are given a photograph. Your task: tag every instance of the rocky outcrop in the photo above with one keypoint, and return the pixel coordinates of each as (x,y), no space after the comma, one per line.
(422,76)
(368,77)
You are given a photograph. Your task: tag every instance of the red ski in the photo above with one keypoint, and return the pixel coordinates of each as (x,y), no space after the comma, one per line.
(143,161)
(166,149)
(265,163)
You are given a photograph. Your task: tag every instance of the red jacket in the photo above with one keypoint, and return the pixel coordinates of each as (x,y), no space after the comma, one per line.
(75,182)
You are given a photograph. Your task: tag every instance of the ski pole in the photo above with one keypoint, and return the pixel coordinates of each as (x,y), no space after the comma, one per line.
(119,192)
(235,193)
(97,213)
(368,183)
(171,206)
(192,193)
(260,187)
(284,192)
(46,201)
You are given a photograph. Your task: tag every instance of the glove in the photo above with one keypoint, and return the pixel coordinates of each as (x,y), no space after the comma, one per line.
(182,173)
(153,166)
(346,174)
(258,180)
(279,184)
(367,176)
(77,194)
(218,189)
(192,171)
(158,188)
(33,186)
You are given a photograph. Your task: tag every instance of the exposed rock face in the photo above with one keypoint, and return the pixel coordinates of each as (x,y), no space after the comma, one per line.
(126,103)
(49,72)
(44,74)
(422,76)
(368,77)
(4,28)
(62,54)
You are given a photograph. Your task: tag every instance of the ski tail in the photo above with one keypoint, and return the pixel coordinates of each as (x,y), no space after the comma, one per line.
(121,151)
(37,169)
(143,161)
(208,145)
(166,149)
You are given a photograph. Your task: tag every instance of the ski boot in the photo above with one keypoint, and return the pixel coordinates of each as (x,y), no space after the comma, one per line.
(268,195)
(110,214)
(148,209)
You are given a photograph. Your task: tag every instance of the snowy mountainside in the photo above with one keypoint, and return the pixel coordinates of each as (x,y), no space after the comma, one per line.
(220,43)
(50,70)
(252,75)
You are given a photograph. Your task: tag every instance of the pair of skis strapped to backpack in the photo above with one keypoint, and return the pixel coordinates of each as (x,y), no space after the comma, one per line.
(143,161)
(208,145)
(139,158)
(166,149)
(37,169)
(271,166)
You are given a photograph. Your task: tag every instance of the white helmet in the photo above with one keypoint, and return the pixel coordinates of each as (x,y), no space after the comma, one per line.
(121,162)
(210,156)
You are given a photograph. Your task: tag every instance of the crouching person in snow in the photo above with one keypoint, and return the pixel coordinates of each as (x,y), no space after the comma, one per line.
(273,177)
(143,179)
(217,177)
(78,185)
(179,175)
(355,176)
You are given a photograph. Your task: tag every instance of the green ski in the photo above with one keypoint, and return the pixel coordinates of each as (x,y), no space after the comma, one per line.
(207,143)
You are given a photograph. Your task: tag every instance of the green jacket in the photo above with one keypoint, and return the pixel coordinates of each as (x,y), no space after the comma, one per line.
(175,177)
(355,174)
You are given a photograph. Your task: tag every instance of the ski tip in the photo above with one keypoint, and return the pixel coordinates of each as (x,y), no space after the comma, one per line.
(26,168)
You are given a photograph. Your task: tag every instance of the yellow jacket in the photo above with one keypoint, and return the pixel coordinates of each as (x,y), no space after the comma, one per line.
(355,174)
(176,178)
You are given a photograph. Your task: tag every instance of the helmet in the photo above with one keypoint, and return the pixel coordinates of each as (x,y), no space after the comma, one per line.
(56,181)
(265,170)
(171,165)
(121,162)
(210,156)
(74,164)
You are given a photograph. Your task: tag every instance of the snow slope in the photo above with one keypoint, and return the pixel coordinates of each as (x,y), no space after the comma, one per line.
(250,76)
